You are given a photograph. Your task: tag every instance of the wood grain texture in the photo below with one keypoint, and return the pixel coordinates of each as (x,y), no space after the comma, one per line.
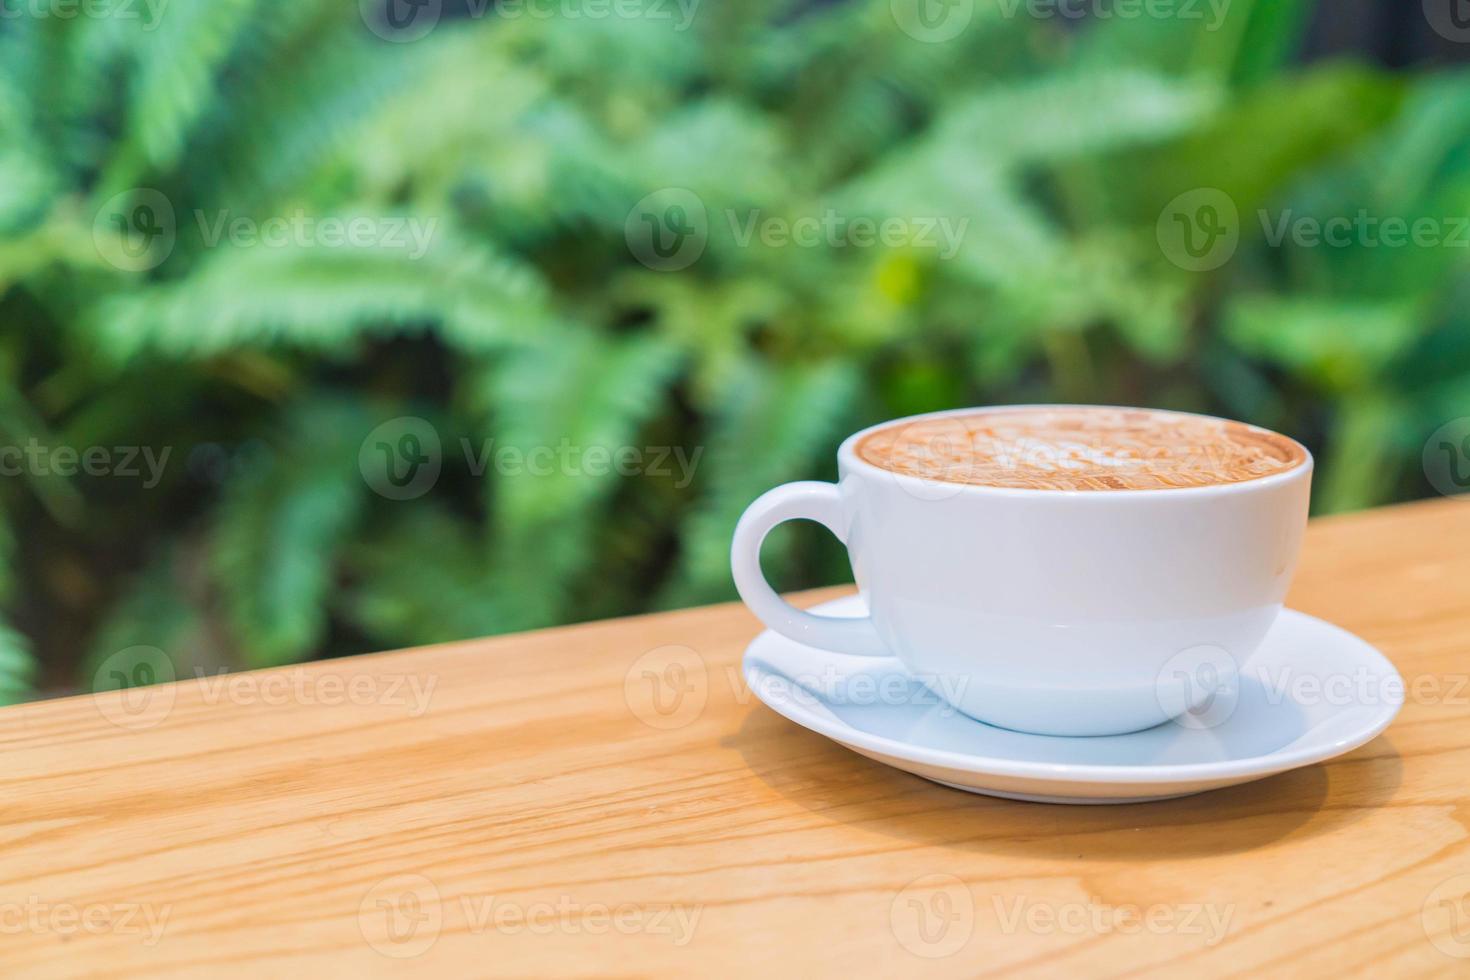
(524,805)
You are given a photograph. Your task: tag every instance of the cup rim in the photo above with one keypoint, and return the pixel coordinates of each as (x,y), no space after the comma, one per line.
(849,459)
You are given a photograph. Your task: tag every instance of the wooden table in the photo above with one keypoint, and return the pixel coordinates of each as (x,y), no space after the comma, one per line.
(609,799)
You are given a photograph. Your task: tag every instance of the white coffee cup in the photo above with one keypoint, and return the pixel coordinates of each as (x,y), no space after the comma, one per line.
(1057,612)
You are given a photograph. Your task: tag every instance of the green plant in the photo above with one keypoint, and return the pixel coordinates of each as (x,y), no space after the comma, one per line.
(525,147)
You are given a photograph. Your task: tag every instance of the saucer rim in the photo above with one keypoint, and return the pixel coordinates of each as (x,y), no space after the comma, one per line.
(1255,765)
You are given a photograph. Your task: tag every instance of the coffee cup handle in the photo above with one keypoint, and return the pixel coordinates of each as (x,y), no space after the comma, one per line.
(810,501)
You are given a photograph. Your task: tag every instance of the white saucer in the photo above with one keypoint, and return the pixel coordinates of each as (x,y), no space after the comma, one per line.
(1313,691)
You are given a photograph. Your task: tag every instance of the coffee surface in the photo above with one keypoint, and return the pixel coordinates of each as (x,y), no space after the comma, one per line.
(1080,448)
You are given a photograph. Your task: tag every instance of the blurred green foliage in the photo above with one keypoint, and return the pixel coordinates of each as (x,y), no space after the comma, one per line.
(526,144)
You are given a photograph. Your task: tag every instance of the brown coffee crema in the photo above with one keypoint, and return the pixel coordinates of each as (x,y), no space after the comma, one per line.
(1080,448)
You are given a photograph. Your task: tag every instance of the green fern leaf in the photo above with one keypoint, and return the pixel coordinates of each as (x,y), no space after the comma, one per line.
(17,666)
(76,56)
(771,426)
(567,411)
(22,425)
(1071,114)
(321,297)
(692,148)
(1340,344)
(575,390)
(265,135)
(8,549)
(419,578)
(1295,123)
(1361,467)
(172,86)
(27,184)
(279,528)
(154,631)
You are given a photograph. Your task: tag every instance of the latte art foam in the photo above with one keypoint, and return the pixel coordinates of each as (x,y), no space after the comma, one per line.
(1080,449)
